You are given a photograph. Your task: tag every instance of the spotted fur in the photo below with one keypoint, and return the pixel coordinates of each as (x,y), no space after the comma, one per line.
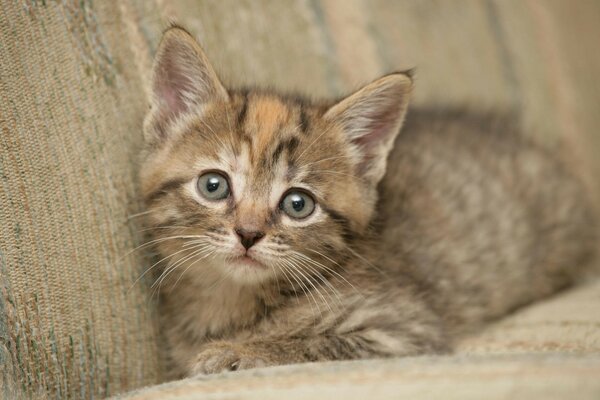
(473,221)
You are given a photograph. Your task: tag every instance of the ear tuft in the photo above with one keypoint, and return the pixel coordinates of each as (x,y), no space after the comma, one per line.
(371,119)
(182,79)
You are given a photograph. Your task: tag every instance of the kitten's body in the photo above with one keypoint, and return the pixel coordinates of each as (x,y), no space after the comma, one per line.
(483,219)
(472,222)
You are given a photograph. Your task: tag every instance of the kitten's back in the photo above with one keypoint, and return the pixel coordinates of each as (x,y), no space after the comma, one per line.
(482,218)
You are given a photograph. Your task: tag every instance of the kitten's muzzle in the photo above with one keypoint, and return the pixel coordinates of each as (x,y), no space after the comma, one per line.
(249,238)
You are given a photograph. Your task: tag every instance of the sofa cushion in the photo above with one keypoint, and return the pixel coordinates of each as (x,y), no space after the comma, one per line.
(528,377)
(568,322)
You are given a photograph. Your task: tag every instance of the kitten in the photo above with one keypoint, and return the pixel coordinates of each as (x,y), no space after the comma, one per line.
(285,240)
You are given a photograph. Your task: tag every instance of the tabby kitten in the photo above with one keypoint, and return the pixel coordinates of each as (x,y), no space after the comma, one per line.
(277,250)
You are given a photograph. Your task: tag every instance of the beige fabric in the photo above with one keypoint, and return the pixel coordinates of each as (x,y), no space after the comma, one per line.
(73,79)
(71,108)
(567,323)
(490,378)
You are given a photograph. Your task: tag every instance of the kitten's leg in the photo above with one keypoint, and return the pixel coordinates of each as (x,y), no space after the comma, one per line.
(378,327)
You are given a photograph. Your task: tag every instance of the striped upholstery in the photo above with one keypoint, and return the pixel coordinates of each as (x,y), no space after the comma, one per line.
(73,78)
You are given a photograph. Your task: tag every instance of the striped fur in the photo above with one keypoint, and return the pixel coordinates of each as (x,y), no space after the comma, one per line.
(358,277)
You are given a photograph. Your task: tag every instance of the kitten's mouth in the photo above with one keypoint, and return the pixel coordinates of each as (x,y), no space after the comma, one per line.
(248,261)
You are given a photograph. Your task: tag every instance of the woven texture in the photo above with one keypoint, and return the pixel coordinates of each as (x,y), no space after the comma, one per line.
(73,78)
(492,377)
(566,323)
(71,107)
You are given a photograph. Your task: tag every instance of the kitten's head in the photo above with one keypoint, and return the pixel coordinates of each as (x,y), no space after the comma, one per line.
(256,185)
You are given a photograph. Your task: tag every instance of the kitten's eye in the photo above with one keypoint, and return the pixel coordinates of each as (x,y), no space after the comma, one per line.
(297,204)
(213,186)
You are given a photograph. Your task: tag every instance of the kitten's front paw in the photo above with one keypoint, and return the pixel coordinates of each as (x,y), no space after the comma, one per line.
(222,356)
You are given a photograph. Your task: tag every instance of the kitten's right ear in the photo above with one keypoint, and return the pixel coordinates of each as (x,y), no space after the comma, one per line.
(182,80)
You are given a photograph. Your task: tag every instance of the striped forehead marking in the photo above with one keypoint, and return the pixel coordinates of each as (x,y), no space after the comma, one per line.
(266,117)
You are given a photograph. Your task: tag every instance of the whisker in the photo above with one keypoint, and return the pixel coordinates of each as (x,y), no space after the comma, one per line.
(209,128)
(303,287)
(173,265)
(328,159)
(140,214)
(217,137)
(177,263)
(310,281)
(307,292)
(329,269)
(324,280)
(159,281)
(358,255)
(150,228)
(314,141)
(282,269)
(200,237)
(190,266)
(324,256)
(154,265)
(322,277)
(230,130)
(276,278)
(331,172)
(159,240)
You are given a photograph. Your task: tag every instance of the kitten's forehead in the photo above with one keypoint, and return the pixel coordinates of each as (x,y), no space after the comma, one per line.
(268,134)
(272,127)
(262,164)
(267,120)
(270,137)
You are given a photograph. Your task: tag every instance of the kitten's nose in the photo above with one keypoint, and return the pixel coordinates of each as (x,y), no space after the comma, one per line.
(248,238)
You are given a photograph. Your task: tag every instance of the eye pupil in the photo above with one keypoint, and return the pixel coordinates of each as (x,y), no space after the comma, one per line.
(297,203)
(212,184)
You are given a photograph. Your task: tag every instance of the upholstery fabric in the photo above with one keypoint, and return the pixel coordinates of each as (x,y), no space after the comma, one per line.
(73,325)
(448,378)
(566,323)
(75,321)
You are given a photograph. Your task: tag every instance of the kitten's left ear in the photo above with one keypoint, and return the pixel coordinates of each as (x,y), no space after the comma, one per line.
(182,79)
(371,118)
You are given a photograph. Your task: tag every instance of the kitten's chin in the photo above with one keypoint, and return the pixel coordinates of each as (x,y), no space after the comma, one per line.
(245,261)
(246,270)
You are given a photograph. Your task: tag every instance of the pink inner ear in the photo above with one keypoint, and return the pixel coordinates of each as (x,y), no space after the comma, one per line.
(380,125)
(376,133)
(171,85)
(171,101)
(170,91)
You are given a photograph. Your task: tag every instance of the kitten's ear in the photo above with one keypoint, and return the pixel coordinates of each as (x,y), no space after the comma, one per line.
(371,118)
(182,79)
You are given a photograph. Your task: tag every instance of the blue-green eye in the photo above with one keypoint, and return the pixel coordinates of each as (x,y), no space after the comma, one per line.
(213,186)
(297,204)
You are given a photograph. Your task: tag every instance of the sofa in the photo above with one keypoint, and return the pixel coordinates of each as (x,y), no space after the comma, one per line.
(75,320)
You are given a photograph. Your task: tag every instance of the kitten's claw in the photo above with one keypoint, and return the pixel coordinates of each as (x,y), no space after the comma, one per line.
(223,357)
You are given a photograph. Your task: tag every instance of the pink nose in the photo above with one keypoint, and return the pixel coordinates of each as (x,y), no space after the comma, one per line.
(248,238)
